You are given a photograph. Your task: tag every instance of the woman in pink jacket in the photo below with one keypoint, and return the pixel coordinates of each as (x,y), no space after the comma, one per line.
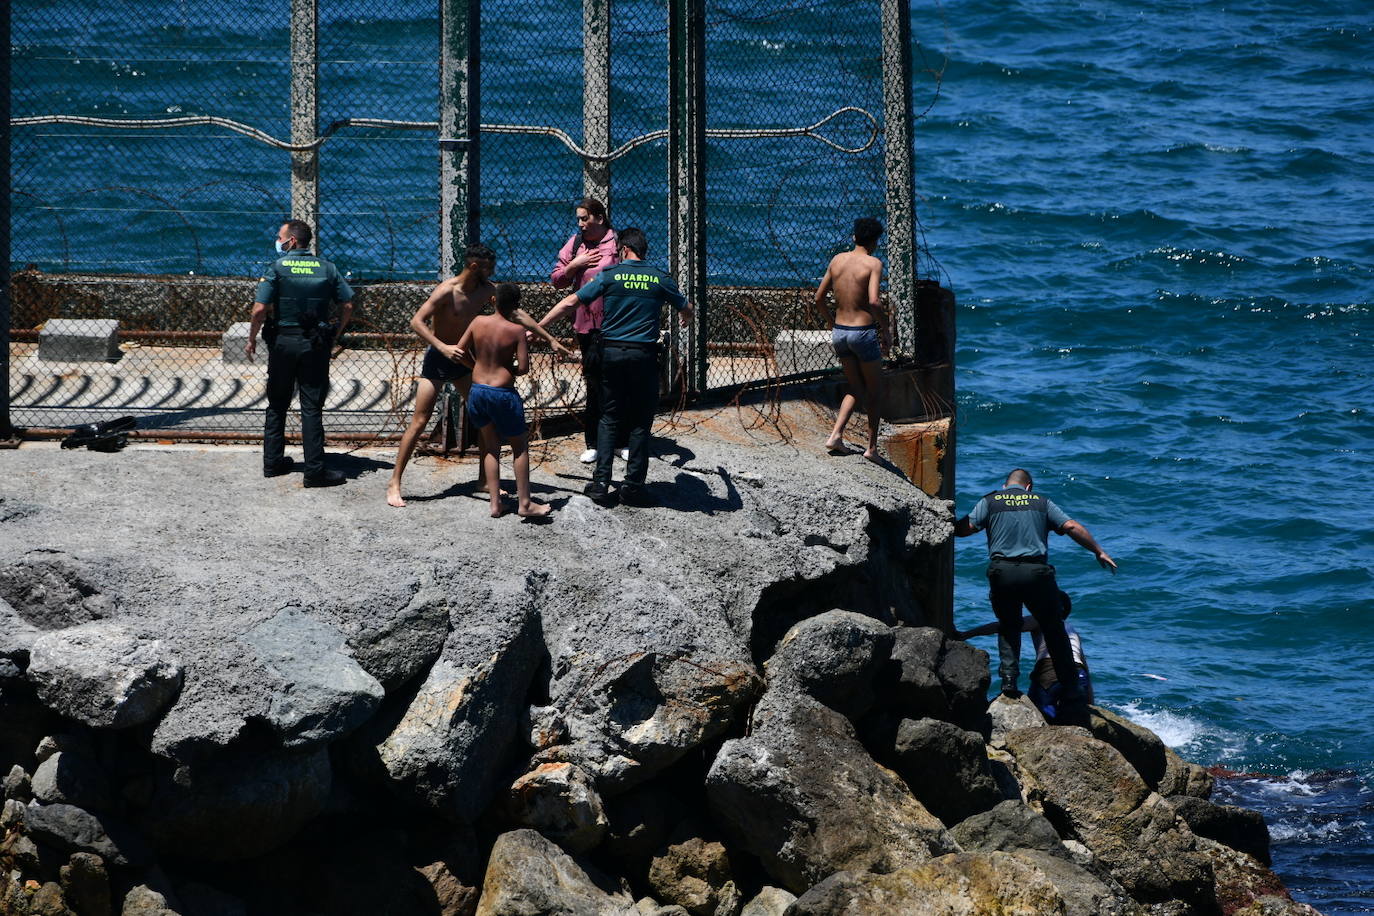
(592,249)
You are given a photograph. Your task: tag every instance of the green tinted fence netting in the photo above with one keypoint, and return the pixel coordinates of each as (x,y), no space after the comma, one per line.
(150,173)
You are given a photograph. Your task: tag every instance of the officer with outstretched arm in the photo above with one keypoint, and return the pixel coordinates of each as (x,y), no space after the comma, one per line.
(1018,523)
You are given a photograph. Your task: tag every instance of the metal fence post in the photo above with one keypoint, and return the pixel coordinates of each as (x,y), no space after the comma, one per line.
(459,124)
(687,175)
(6,427)
(899,171)
(596,97)
(305,111)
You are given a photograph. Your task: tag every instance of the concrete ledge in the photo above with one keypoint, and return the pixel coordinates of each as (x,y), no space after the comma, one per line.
(803,351)
(79,340)
(233,342)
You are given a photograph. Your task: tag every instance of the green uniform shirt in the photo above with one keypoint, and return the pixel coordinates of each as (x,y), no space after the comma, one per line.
(1018,522)
(303,288)
(631,293)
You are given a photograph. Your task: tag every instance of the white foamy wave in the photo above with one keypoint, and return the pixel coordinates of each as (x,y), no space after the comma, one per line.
(1176,730)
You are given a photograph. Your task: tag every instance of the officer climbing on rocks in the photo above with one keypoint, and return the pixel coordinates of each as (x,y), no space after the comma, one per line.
(1018,523)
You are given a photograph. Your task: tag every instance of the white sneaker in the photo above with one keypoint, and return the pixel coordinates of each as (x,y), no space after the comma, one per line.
(624,454)
(588,456)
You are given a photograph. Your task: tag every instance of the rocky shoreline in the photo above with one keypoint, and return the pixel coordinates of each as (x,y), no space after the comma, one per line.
(223,695)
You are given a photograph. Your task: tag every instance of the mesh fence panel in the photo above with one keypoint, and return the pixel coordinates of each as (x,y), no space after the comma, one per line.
(167,229)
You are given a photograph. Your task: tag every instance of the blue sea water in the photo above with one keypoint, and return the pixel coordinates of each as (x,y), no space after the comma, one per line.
(1156,218)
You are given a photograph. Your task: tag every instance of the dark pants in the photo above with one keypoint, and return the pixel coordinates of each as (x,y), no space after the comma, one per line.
(629,395)
(1033,585)
(590,346)
(297,361)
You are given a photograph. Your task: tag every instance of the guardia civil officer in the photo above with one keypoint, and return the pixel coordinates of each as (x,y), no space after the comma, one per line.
(294,308)
(1018,523)
(632,295)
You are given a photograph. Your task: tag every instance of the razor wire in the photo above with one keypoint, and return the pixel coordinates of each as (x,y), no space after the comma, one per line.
(261,136)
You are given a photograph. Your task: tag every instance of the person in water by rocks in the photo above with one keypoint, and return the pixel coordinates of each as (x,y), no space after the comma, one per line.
(441,322)
(1018,523)
(860,330)
(1045,689)
(494,347)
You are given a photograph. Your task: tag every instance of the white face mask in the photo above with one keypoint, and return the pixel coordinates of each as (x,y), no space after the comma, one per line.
(281,248)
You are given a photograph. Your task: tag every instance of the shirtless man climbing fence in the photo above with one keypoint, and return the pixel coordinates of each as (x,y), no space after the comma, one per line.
(858,322)
(441,323)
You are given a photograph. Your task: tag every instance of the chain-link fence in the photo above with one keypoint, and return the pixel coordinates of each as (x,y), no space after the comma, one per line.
(153,162)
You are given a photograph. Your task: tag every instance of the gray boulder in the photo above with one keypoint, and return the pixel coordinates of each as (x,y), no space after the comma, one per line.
(528,875)
(237,806)
(318,692)
(802,795)
(770,901)
(833,657)
(1089,791)
(103,674)
(964,674)
(71,829)
(910,683)
(144,901)
(1084,893)
(694,873)
(395,645)
(645,710)
(73,778)
(1009,826)
(86,885)
(1184,778)
(1239,828)
(51,590)
(960,883)
(17,784)
(450,746)
(1140,746)
(561,802)
(946,768)
(1007,715)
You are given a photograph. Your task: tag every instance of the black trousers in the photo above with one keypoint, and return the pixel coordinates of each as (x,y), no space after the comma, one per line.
(1012,585)
(629,395)
(589,345)
(297,361)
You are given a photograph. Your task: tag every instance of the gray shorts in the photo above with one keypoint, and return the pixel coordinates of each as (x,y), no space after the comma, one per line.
(860,343)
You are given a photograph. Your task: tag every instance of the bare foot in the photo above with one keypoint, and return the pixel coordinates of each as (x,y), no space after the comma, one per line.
(834,444)
(393,496)
(498,510)
(872,456)
(535,510)
(484,491)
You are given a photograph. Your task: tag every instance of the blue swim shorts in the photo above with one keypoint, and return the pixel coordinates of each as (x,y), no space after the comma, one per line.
(438,368)
(860,343)
(488,404)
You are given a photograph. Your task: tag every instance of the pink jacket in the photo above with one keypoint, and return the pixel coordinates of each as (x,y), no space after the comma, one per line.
(587,318)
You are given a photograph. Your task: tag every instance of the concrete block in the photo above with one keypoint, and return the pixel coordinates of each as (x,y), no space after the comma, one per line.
(233,342)
(803,351)
(79,340)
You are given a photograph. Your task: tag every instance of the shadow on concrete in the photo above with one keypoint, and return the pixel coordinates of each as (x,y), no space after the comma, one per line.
(690,493)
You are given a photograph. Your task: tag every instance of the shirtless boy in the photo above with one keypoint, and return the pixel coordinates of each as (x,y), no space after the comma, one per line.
(440,322)
(858,322)
(494,346)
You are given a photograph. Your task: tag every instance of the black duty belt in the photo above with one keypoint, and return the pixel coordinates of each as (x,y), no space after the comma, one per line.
(1036,559)
(632,344)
